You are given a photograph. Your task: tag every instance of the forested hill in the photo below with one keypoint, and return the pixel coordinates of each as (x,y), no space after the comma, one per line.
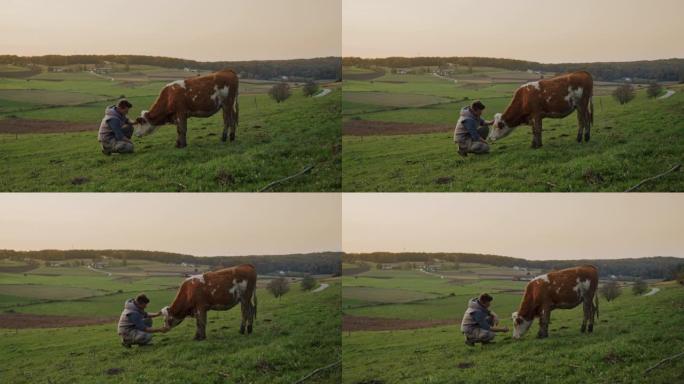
(313,263)
(328,68)
(659,70)
(644,267)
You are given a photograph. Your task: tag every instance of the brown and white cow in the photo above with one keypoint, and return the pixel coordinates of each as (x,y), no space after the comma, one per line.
(555,98)
(200,96)
(564,289)
(218,290)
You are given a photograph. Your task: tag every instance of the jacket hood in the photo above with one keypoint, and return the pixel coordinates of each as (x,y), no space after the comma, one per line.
(111,111)
(474,304)
(467,113)
(130,305)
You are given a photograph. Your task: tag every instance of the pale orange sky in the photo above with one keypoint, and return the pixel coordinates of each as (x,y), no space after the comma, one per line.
(223,224)
(531,226)
(211,30)
(538,30)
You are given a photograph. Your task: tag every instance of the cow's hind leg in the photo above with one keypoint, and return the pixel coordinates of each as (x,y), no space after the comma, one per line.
(201,317)
(181,129)
(586,310)
(580,123)
(229,123)
(244,309)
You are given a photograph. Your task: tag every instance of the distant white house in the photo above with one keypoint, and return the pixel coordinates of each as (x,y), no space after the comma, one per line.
(387,266)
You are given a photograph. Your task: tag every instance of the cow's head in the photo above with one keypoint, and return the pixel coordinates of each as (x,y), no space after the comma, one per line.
(520,325)
(169,320)
(499,129)
(142,125)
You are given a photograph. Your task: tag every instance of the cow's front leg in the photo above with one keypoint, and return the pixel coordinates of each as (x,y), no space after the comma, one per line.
(201,317)
(544,321)
(536,133)
(181,129)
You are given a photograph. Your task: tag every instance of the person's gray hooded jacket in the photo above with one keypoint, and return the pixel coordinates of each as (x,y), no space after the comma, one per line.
(132,317)
(467,125)
(111,124)
(475,316)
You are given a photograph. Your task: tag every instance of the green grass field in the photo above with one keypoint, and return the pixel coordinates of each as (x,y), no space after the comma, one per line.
(632,334)
(292,336)
(629,142)
(273,140)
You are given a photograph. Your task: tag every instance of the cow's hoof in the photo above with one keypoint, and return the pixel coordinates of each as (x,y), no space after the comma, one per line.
(242,329)
(591,328)
(181,145)
(249,329)
(199,338)
(586,137)
(579,138)
(232,137)
(224,138)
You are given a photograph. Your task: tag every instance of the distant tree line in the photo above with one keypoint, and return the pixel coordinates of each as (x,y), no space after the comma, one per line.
(323,263)
(645,267)
(659,70)
(328,68)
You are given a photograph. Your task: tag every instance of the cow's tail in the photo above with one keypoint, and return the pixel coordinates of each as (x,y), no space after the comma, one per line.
(591,110)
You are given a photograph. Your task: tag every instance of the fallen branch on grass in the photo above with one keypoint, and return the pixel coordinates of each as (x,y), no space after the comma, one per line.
(663,361)
(673,169)
(273,184)
(315,371)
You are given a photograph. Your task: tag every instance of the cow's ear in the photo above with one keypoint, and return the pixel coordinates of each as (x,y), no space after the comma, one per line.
(140,120)
(500,125)
(518,321)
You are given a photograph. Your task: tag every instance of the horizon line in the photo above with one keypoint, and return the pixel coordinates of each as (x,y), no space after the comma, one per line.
(506,58)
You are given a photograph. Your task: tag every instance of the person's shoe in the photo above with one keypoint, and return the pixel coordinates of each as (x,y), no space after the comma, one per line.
(470,343)
(126,345)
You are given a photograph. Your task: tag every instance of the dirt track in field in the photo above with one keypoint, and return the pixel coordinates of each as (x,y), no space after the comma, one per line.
(383,128)
(24,320)
(362,323)
(21,126)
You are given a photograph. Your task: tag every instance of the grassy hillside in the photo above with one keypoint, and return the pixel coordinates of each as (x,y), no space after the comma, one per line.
(292,336)
(273,140)
(632,334)
(629,142)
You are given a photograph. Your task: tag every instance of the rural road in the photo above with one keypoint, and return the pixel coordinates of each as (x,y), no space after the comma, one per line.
(667,94)
(653,292)
(324,92)
(322,287)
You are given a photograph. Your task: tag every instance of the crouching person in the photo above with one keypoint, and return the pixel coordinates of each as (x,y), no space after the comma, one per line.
(471,130)
(116,130)
(135,325)
(479,324)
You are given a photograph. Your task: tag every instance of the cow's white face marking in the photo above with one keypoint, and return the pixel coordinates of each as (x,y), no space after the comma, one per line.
(169,321)
(499,129)
(142,125)
(520,325)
